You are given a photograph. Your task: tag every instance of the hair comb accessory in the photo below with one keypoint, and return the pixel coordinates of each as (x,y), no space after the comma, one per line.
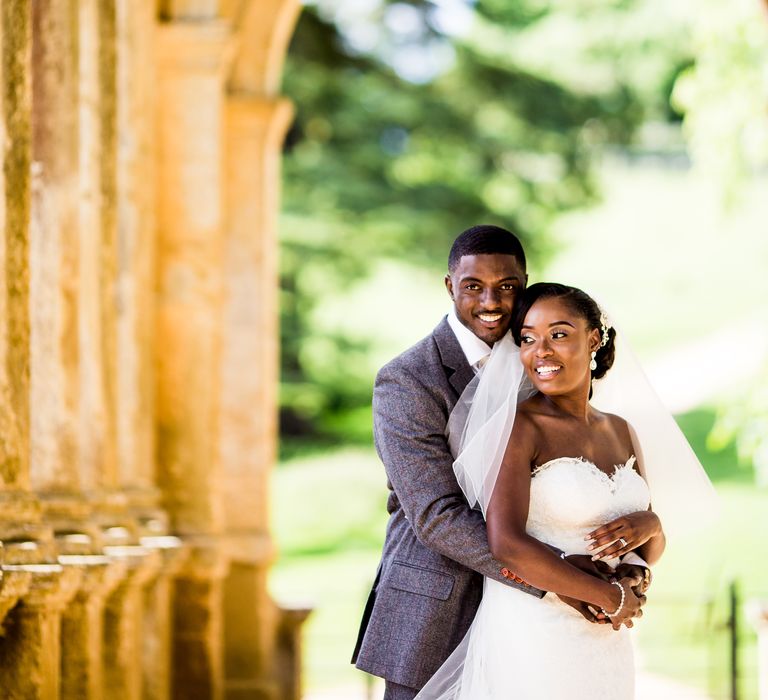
(605,324)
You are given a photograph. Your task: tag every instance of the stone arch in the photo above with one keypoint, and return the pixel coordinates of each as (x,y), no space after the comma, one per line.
(263,30)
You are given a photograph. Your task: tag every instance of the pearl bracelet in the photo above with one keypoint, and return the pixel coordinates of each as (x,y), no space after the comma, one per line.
(621,604)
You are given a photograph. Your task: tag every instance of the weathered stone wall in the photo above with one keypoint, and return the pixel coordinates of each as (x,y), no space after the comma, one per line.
(138,348)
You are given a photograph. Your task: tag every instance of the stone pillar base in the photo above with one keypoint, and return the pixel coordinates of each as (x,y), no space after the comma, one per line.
(289,654)
(30,658)
(123,630)
(82,626)
(158,620)
(250,624)
(197,655)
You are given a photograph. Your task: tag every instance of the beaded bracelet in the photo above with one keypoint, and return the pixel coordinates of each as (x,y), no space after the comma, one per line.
(621,604)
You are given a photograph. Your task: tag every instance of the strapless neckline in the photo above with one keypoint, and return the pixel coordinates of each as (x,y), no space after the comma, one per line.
(617,468)
(571,496)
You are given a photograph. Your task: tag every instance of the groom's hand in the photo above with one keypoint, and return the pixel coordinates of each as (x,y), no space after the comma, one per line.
(594,568)
(639,575)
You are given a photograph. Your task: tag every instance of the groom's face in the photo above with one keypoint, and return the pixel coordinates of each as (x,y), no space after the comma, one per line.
(484,289)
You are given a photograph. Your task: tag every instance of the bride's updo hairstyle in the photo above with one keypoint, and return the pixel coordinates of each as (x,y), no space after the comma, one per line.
(577,301)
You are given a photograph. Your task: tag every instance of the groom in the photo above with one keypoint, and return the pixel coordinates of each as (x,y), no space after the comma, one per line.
(429,582)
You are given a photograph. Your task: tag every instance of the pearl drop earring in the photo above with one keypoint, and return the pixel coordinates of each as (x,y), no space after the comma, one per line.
(593,363)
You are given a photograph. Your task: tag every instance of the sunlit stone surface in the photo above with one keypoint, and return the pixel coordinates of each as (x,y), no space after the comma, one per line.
(138,349)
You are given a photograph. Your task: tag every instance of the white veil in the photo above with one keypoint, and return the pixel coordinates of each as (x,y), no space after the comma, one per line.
(481,422)
(480,425)
(478,431)
(681,493)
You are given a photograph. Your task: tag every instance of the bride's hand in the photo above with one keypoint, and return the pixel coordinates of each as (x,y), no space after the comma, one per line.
(587,611)
(594,568)
(632,607)
(622,535)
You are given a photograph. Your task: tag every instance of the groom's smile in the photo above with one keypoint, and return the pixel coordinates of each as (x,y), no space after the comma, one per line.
(484,289)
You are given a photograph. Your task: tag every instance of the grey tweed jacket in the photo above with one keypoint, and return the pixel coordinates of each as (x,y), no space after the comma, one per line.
(429,582)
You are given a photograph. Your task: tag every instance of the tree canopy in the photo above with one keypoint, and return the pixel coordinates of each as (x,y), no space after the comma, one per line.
(418,119)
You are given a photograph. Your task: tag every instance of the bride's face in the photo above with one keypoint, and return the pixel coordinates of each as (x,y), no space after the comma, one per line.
(556,347)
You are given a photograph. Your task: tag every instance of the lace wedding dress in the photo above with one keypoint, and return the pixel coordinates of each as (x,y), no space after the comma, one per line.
(527,648)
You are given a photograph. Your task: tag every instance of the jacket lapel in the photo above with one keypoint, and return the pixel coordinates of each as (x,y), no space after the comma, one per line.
(457,368)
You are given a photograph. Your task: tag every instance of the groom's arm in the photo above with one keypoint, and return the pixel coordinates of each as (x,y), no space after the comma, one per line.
(409,421)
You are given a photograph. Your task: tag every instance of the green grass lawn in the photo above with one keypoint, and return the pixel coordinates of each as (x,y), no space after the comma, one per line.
(330,518)
(329,523)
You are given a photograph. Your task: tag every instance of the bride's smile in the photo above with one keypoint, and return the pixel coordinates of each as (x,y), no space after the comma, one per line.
(556,347)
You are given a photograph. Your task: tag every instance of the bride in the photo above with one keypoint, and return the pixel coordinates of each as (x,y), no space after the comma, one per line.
(554,473)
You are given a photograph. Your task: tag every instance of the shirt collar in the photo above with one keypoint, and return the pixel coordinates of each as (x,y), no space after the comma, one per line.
(473,348)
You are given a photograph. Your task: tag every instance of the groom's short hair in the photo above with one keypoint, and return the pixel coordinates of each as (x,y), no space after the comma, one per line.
(485,239)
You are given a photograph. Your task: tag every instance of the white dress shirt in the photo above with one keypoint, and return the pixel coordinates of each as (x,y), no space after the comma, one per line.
(474,349)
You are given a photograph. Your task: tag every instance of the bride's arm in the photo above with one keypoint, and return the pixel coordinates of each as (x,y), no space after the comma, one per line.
(641,531)
(528,557)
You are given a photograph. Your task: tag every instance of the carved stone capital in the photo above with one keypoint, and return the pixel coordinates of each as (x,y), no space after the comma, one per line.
(206,562)
(195,47)
(51,587)
(13,586)
(30,545)
(250,548)
(254,116)
(172,550)
(100,574)
(142,564)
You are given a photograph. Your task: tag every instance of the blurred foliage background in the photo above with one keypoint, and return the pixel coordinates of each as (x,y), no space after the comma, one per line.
(626,142)
(416,120)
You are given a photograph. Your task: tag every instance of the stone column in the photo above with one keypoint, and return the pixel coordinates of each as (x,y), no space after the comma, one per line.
(32,592)
(19,509)
(82,626)
(189,270)
(290,651)
(96,442)
(124,622)
(249,376)
(106,471)
(197,655)
(136,232)
(158,617)
(30,658)
(16,134)
(192,61)
(54,247)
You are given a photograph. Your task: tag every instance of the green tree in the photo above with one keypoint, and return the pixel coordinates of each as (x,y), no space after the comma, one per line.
(724,95)
(415,121)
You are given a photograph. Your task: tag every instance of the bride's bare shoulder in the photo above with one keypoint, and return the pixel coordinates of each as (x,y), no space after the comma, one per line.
(531,412)
(618,425)
(528,409)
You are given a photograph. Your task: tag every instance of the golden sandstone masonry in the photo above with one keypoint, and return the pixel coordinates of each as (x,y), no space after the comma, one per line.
(138,349)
